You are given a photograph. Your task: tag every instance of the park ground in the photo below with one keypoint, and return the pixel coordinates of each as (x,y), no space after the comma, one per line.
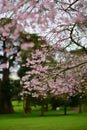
(52,120)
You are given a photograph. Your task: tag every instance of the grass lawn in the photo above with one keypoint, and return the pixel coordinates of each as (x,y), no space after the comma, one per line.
(53,120)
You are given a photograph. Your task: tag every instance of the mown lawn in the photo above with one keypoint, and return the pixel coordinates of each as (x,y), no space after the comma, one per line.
(52,120)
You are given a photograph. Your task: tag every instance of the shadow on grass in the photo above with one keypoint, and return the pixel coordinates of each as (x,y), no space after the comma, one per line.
(34,114)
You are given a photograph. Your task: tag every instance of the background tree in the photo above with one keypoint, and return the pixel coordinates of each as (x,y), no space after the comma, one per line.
(9,50)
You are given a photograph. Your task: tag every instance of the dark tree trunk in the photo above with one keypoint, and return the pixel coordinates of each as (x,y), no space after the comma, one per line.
(5,102)
(5,94)
(80,106)
(46,107)
(6,107)
(54,106)
(27,106)
(42,109)
(65,110)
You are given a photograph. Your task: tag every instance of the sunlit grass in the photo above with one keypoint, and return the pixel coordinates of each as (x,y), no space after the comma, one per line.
(52,120)
(49,122)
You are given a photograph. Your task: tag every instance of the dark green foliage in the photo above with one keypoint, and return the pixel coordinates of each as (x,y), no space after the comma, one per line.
(11,89)
(32,38)
(15,88)
(4,21)
(56,102)
(22,71)
(75,100)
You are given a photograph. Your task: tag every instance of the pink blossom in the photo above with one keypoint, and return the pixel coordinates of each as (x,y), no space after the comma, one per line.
(79,18)
(3,66)
(9,51)
(49,4)
(25,46)
(5,34)
(32,3)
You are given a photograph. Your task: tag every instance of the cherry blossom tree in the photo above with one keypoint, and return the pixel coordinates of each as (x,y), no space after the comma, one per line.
(35,66)
(70,80)
(62,22)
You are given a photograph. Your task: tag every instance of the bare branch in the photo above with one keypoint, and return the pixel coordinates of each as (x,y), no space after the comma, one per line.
(71,37)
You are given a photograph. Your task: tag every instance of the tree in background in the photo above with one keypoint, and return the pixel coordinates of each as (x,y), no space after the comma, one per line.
(36,64)
(70,80)
(9,50)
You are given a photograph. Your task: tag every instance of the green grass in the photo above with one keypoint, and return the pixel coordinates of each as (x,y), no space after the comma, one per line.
(53,120)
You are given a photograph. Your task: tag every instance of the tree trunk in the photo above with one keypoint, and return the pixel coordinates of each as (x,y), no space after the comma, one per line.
(6,107)
(5,102)
(27,107)
(80,106)
(5,97)
(42,109)
(65,110)
(46,107)
(54,106)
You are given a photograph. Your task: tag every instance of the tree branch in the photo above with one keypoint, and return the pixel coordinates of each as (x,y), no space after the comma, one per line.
(76,43)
